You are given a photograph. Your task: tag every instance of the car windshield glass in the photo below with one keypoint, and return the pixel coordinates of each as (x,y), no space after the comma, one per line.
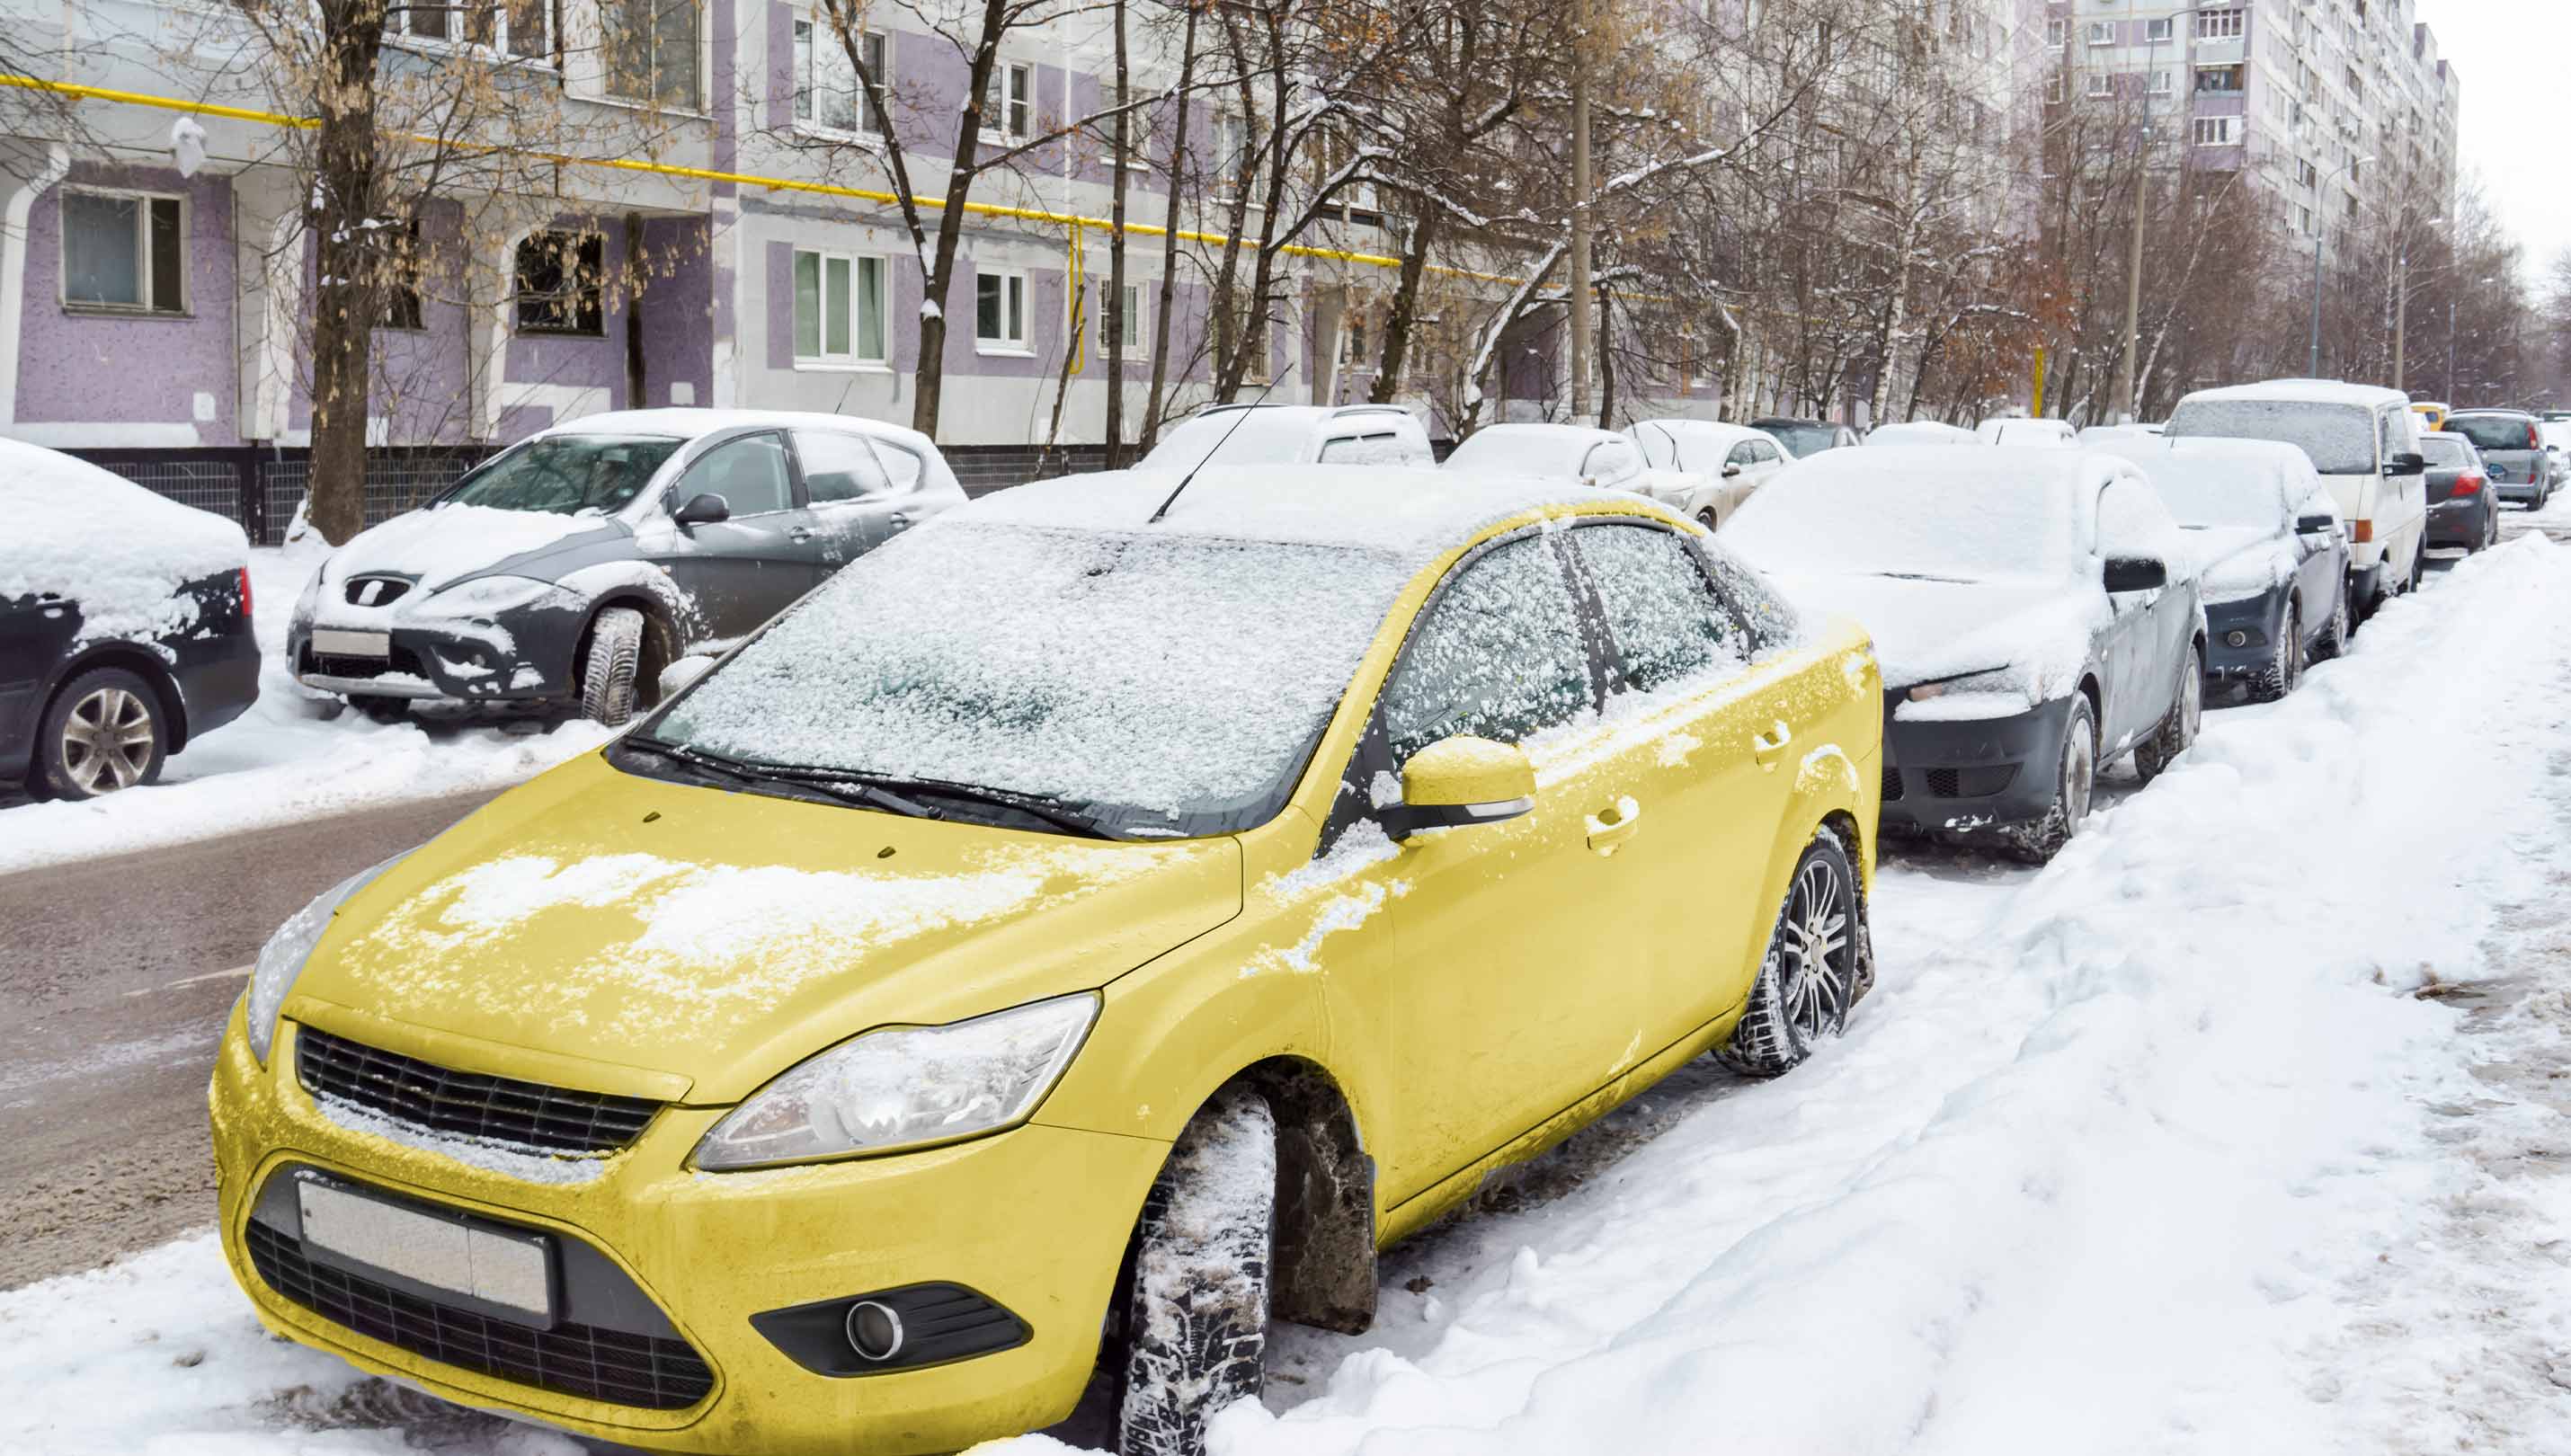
(2444,454)
(2490,431)
(1156,684)
(1538,452)
(2202,493)
(1801,440)
(1247,437)
(568,475)
(1958,524)
(2338,437)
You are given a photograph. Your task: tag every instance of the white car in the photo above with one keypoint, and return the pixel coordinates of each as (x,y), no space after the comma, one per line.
(2365,443)
(1293,434)
(1737,458)
(2022,431)
(1600,458)
(1922,432)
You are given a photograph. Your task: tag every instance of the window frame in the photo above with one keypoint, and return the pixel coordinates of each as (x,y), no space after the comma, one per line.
(459,42)
(1138,342)
(143,284)
(1007,119)
(2220,25)
(648,94)
(2224,129)
(1022,344)
(2097,84)
(2100,33)
(405,285)
(1620,677)
(778,435)
(581,296)
(809,29)
(854,359)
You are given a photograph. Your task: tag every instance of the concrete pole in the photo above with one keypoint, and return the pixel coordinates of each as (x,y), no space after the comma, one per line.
(2400,317)
(2317,227)
(1580,268)
(2123,397)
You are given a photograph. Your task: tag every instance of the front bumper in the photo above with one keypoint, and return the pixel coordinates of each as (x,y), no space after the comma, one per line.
(2256,622)
(509,660)
(1036,1220)
(1972,775)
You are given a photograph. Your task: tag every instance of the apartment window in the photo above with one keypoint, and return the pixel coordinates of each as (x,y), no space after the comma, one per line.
(2098,84)
(829,95)
(1137,123)
(2161,84)
(1009,105)
(2102,32)
(2224,80)
(519,28)
(2306,175)
(1131,320)
(2218,25)
(2156,31)
(2216,131)
(2056,32)
(650,50)
(1232,152)
(124,251)
(399,306)
(2304,221)
(838,308)
(1000,311)
(562,284)
(2053,87)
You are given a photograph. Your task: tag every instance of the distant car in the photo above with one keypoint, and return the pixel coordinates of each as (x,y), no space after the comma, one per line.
(2463,509)
(1922,432)
(1736,460)
(2433,414)
(570,569)
(2365,443)
(1578,455)
(2102,434)
(1805,438)
(2022,431)
(1293,434)
(125,625)
(2511,443)
(2271,556)
(2035,611)
(2558,448)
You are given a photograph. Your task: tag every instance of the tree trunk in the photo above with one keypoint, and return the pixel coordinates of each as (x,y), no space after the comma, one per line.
(1112,313)
(930,381)
(344,312)
(1606,363)
(1154,405)
(1405,309)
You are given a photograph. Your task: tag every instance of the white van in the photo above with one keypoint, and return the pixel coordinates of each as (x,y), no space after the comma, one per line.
(2365,443)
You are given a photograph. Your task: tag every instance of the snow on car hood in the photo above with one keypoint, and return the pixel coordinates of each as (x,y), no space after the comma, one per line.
(2235,562)
(122,552)
(734,934)
(2034,633)
(443,545)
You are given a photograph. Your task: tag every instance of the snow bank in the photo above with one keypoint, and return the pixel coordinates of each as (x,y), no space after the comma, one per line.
(120,550)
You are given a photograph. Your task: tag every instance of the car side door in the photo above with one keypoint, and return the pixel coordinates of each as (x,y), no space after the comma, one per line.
(2151,624)
(748,567)
(2319,559)
(850,496)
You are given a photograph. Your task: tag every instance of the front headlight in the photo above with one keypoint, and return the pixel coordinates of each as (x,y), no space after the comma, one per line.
(488,597)
(905,1087)
(282,959)
(1986,680)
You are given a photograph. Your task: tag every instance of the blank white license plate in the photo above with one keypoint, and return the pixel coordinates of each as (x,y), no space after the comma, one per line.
(341,642)
(504,1268)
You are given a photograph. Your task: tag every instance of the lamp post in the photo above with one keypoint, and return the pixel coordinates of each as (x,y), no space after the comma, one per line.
(2320,225)
(2401,299)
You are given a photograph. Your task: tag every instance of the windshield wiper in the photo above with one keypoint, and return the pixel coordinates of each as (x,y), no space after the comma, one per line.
(844,786)
(1922,575)
(1033,806)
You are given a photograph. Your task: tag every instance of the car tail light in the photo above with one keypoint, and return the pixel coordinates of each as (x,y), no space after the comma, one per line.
(245,591)
(2533,441)
(2361,532)
(2467,484)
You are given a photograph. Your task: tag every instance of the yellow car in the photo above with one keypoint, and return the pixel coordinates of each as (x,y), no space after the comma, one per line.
(1087,926)
(2433,416)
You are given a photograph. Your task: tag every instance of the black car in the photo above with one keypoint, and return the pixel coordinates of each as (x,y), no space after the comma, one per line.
(1807,437)
(567,572)
(2272,554)
(2034,610)
(125,626)
(2463,510)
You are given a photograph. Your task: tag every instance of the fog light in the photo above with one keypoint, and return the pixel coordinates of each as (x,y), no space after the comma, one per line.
(874,1331)
(2236,638)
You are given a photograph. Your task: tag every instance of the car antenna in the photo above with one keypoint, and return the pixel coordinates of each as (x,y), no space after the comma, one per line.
(1190,478)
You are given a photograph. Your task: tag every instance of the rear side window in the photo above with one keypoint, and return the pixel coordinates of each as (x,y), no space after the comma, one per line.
(838,467)
(1383,447)
(1499,656)
(1661,613)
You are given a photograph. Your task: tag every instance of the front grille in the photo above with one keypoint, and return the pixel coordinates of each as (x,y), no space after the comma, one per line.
(401,662)
(1942,783)
(377,591)
(1970,783)
(653,1372)
(466,1103)
(1891,784)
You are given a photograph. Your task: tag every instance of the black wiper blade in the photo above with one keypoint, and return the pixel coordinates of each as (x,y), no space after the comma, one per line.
(1035,805)
(841,785)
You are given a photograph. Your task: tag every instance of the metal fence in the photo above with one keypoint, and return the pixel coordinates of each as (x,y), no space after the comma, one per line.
(258,488)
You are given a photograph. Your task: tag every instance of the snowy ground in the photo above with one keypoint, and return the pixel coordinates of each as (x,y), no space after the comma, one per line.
(2236,1129)
(280,763)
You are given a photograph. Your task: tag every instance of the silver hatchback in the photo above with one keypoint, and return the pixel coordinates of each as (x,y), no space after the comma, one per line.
(2511,443)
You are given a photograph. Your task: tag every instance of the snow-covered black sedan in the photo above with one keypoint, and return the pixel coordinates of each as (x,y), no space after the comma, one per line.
(568,571)
(125,626)
(2272,554)
(2035,611)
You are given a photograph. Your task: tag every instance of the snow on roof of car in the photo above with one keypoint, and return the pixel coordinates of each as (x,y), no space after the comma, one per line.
(1411,512)
(1710,429)
(1998,510)
(1922,432)
(687,423)
(2304,392)
(95,537)
(2225,482)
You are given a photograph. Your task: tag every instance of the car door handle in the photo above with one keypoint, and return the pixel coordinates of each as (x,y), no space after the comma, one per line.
(800,534)
(1622,821)
(1769,746)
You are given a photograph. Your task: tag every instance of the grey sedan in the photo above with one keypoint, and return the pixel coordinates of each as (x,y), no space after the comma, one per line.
(2511,443)
(568,571)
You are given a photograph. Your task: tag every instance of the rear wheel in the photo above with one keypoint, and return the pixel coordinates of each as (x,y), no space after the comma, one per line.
(2334,638)
(2185,716)
(608,665)
(1195,1308)
(2074,778)
(2285,669)
(103,732)
(1812,970)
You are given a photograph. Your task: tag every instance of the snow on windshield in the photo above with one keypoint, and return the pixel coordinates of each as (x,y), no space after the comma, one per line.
(567,475)
(2207,490)
(1181,678)
(119,550)
(2338,437)
(1244,437)
(1926,511)
(2493,431)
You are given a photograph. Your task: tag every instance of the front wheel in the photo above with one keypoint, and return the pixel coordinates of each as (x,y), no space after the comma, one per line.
(1195,1311)
(2285,669)
(1815,968)
(608,665)
(2074,778)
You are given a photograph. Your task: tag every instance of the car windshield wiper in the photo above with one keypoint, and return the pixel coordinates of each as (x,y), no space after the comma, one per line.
(844,786)
(1922,575)
(1050,810)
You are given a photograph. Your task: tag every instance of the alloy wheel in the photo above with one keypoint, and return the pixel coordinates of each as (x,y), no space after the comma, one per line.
(107,740)
(1814,954)
(2079,770)
(2191,698)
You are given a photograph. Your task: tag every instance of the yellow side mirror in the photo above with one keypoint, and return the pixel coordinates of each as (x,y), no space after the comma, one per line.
(1463,780)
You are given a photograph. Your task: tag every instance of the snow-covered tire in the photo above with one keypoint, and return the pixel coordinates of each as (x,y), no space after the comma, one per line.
(2343,624)
(608,665)
(2284,670)
(1816,965)
(2185,716)
(378,708)
(2074,780)
(1195,1311)
(101,732)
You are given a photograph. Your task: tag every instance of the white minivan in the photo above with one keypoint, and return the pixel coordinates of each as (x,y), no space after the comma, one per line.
(2365,443)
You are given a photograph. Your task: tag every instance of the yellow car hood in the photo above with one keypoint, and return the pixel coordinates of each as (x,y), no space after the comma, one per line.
(713,938)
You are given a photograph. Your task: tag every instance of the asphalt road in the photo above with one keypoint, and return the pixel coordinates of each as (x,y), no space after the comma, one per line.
(117,975)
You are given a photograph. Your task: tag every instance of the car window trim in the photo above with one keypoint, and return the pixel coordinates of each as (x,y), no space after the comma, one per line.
(793,473)
(1691,547)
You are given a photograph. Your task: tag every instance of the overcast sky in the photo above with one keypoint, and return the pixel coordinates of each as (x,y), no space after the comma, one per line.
(2515,59)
